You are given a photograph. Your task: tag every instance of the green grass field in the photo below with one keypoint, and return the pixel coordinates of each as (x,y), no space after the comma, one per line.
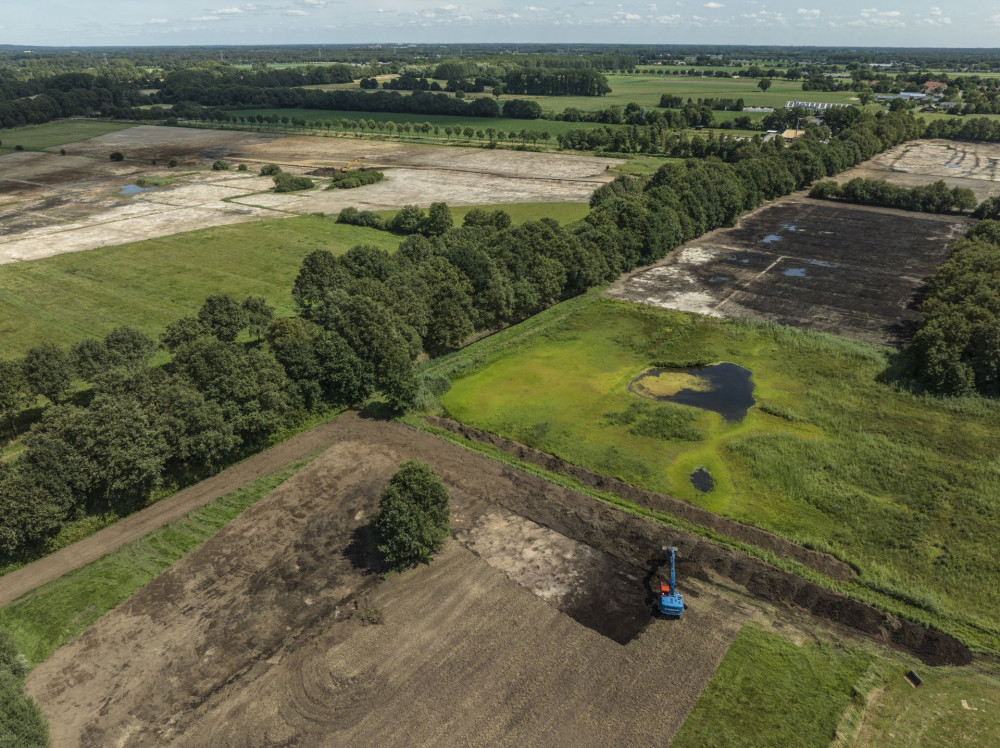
(903,487)
(147,284)
(59,611)
(56,133)
(769,692)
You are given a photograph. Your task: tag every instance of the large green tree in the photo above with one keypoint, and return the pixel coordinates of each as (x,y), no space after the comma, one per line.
(414,516)
(49,371)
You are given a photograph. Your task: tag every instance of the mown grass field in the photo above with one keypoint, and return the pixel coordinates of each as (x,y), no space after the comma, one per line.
(56,133)
(147,284)
(769,692)
(60,610)
(903,487)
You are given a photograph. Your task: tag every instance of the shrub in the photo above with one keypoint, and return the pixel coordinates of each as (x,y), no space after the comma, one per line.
(21,148)
(407,221)
(270,170)
(351,179)
(21,721)
(172,163)
(116,156)
(241,167)
(285,182)
(355,217)
(414,516)
(220,165)
(62,151)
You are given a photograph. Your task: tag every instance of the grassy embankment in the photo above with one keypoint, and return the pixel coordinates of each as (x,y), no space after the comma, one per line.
(903,487)
(36,137)
(768,691)
(150,283)
(59,611)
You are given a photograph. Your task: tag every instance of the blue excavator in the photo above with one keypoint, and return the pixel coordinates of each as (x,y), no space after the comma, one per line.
(671,603)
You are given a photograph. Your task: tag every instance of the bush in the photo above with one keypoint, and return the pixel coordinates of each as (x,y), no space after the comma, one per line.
(355,217)
(351,179)
(21,148)
(116,156)
(270,170)
(172,163)
(241,167)
(414,516)
(21,721)
(284,182)
(407,221)
(220,165)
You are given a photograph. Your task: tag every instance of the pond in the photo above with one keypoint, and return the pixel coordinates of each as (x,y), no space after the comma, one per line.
(702,480)
(726,389)
(133,189)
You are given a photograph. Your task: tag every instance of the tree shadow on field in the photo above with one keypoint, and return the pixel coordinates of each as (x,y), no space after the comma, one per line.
(377,410)
(363,552)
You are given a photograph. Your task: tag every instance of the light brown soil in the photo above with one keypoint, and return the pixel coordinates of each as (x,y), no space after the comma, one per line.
(51,204)
(255,638)
(972,165)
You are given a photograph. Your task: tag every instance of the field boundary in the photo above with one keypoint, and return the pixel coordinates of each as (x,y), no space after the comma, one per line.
(824,563)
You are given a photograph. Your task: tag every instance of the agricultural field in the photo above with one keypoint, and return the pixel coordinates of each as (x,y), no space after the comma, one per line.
(51,134)
(972,165)
(899,486)
(841,269)
(55,204)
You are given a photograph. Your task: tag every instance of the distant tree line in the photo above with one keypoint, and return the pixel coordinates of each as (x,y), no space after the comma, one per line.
(976,129)
(956,350)
(671,101)
(64,95)
(181,85)
(936,197)
(556,82)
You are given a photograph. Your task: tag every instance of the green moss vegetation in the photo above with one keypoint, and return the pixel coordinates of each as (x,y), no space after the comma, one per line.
(150,283)
(56,133)
(60,610)
(903,487)
(770,692)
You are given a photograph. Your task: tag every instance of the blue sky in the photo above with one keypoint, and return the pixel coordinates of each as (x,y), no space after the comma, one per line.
(971,23)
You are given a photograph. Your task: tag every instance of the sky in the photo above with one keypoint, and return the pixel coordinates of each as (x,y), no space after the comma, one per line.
(970,23)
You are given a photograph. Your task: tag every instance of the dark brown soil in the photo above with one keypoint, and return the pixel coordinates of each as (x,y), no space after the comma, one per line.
(842,269)
(821,562)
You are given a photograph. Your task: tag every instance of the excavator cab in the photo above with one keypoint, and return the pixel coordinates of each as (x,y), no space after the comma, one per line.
(671,602)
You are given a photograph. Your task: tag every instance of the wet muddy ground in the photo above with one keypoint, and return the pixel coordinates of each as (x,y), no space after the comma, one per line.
(842,269)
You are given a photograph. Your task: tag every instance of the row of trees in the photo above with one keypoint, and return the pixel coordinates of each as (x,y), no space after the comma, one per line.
(556,82)
(976,129)
(137,428)
(956,350)
(936,197)
(672,101)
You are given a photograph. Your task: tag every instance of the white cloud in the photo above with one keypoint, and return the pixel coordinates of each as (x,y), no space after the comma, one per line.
(535,9)
(296,13)
(314,3)
(228,11)
(666,20)
(449,6)
(157,20)
(807,12)
(205,18)
(714,5)
(936,12)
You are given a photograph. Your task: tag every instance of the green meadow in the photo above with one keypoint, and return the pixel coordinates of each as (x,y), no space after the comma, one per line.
(901,486)
(61,132)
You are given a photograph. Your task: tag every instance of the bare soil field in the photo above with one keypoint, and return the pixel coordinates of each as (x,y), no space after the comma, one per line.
(842,269)
(263,634)
(258,636)
(50,204)
(972,165)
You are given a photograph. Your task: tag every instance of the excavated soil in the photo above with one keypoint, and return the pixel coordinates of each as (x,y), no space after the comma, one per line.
(258,637)
(972,165)
(829,267)
(51,204)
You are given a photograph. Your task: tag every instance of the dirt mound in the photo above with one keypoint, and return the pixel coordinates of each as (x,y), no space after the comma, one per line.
(821,562)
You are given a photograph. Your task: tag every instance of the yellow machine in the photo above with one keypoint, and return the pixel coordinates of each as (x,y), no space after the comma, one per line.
(352,163)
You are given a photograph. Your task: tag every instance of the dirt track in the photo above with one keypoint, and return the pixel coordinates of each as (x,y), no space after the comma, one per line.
(133,527)
(253,639)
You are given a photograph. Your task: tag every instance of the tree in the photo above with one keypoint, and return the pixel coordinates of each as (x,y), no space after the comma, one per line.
(14,394)
(49,371)
(258,313)
(407,220)
(222,317)
(220,165)
(414,516)
(764,84)
(129,348)
(181,332)
(438,220)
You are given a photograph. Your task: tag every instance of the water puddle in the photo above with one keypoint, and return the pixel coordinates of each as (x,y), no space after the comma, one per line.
(770,239)
(723,388)
(719,279)
(790,227)
(794,272)
(821,264)
(133,189)
(702,480)
(734,258)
